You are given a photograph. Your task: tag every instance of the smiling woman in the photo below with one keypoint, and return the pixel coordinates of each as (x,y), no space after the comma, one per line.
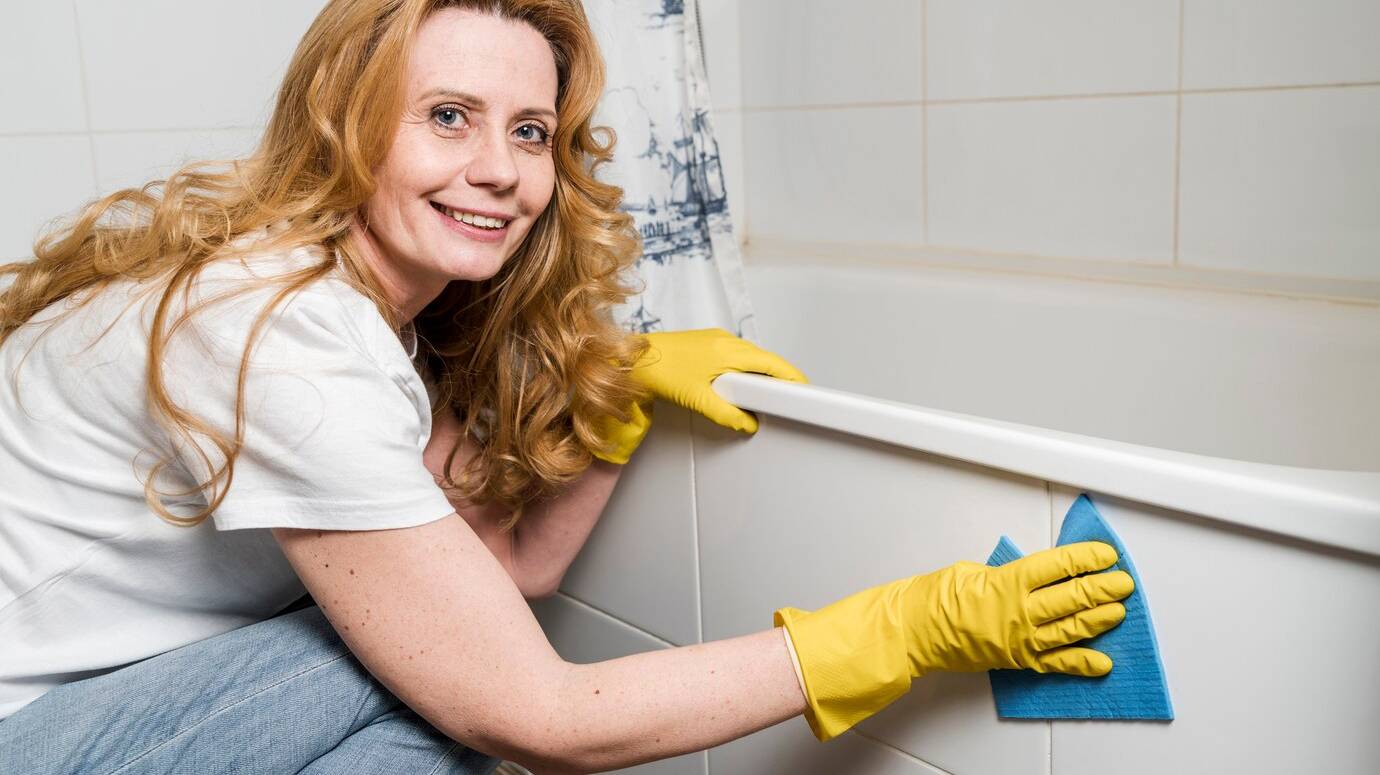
(375,361)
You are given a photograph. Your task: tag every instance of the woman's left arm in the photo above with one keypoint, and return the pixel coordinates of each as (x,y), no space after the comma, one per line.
(539,550)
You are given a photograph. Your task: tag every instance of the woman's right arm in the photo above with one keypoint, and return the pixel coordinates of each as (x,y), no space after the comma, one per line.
(434,616)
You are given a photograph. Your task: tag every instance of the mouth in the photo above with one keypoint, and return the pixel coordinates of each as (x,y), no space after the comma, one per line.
(486,221)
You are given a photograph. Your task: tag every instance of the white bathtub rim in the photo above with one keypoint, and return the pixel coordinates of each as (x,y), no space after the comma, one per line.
(1335,508)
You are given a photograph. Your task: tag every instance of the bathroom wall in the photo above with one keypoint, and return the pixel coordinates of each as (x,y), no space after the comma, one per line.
(1196,136)
(100,95)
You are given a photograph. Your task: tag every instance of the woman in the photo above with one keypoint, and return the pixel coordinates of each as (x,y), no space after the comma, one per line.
(254,339)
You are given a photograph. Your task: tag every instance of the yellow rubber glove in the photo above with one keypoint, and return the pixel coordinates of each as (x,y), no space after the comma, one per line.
(679,367)
(859,654)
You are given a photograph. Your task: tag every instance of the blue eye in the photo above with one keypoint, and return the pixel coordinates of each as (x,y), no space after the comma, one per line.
(541,138)
(450,118)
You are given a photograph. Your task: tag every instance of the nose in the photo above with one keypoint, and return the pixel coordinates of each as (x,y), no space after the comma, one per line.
(493,164)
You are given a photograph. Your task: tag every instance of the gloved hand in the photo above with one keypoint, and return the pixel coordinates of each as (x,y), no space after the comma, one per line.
(679,367)
(859,654)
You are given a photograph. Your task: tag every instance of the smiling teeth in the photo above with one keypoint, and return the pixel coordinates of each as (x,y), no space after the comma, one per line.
(482,221)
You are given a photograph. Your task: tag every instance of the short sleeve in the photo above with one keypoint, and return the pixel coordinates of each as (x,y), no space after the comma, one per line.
(335,416)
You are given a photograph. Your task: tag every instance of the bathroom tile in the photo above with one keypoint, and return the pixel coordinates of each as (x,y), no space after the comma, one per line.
(48,177)
(223,59)
(842,175)
(126,159)
(799,516)
(1007,48)
(723,62)
(1078,178)
(789,747)
(728,132)
(42,67)
(823,52)
(1282,181)
(1255,634)
(639,562)
(1229,43)
(581,634)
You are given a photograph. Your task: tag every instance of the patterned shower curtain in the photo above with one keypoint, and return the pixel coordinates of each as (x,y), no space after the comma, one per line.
(667,162)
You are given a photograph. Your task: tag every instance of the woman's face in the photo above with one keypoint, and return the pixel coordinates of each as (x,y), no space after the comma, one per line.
(471,168)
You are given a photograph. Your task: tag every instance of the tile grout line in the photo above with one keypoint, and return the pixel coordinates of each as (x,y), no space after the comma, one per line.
(86,101)
(1178,136)
(1055,97)
(596,609)
(901,751)
(924,123)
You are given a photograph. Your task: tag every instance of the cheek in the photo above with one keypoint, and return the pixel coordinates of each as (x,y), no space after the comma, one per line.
(539,187)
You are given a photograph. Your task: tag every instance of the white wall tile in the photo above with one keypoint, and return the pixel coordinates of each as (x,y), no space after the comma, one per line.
(813,52)
(1277,678)
(719,21)
(1282,181)
(41,67)
(803,517)
(581,634)
(125,159)
(997,48)
(728,132)
(789,747)
(168,64)
(45,178)
(1279,42)
(845,175)
(639,562)
(1089,178)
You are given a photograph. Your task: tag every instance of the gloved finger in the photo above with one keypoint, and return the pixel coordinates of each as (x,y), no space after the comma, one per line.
(751,358)
(726,414)
(1060,600)
(1046,567)
(1079,626)
(1074,660)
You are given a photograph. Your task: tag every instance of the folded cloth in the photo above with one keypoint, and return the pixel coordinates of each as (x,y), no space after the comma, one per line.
(1136,687)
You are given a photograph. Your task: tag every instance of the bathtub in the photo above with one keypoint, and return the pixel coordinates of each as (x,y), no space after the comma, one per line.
(1232,439)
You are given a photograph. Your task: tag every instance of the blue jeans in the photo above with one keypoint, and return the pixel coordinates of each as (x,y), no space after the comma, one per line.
(281,696)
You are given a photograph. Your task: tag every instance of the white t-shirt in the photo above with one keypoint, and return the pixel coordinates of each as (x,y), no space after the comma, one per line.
(91,578)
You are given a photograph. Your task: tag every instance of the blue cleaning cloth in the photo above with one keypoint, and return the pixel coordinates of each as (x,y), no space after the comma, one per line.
(1136,687)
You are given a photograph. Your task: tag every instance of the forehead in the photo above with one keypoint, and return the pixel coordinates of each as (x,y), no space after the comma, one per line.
(506,62)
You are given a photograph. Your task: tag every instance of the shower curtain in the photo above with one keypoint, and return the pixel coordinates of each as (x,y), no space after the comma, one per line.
(666,160)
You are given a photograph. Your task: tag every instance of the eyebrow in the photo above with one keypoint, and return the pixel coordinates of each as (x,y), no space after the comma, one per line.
(479,102)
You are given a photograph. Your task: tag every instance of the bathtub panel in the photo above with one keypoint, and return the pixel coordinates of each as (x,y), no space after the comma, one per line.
(789,747)
(639,562)
(581,634)
(1268,645)
(778,527)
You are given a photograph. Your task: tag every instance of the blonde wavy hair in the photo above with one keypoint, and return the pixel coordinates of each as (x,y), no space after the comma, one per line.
(530,359)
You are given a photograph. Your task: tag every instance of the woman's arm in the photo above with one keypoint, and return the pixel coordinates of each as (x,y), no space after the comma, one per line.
(539,550)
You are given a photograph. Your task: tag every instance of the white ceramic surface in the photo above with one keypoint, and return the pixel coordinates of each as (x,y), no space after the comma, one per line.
(849,175)
(823,52)
(1279,42)
(1282,181)
(1011,48)
(640,562)
(41,64)
(133,159)
(1084,178)
(46,176)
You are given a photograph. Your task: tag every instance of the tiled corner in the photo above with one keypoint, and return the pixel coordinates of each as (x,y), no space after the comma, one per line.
(847,175)
(125,159)
(583,635)
(1267,645)
(639,562)
(801,516)
(723,64)
(1010,48)
(1243,43)
(42,67)
(789,747)
(55,177)
(222,59)
(1282,181)
(823,52)
(1080,178)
